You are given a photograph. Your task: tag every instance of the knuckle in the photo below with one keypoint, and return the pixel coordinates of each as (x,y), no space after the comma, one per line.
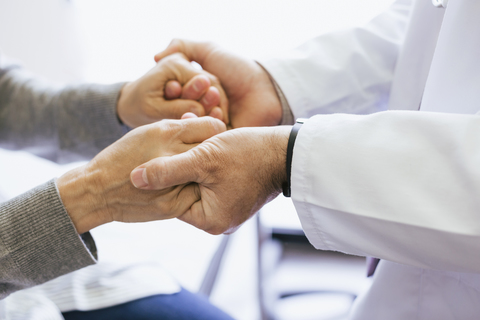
(218,228)
(209,44)
(177,58)
(214,231)
(163,131)
(171,128)
(213,78)
(156,173)
(151,173)
(177,40)
(208,161)
(176,43)
(150,130)
(154,131)
(195,108)
(213,126)
(219,126)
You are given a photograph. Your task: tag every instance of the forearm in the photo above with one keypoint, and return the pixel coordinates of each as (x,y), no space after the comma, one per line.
(59,123)
(392,185)
(38,240)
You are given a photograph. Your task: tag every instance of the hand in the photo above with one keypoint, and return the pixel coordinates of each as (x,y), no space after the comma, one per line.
(101,191)
(148,99)
(253,100)
(236,173)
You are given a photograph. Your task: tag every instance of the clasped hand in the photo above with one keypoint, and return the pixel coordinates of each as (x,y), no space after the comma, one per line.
(233,174)
(191,169)
(100,191)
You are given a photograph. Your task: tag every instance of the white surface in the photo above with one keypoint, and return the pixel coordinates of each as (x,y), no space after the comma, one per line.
(280,213)
(44,36)
(121,36)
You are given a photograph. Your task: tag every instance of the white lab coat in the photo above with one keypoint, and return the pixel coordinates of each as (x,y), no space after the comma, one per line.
(401,185)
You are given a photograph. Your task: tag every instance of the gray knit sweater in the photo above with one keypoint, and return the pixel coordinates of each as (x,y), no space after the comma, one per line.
(38,241)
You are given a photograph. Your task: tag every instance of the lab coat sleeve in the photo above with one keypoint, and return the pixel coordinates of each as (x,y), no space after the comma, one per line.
(347,71)
(398,185)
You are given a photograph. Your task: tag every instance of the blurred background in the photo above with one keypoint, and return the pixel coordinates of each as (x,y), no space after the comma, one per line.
(267,268)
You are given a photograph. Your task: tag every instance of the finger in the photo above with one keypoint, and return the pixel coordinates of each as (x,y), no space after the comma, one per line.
(190,115)
(178,169)
(197,130)
(197,87)
(199,218)
(170,49)
(210,99)
(164,172)
(173,90)
(216,113)
(175,109)
(216,96)
(196,51)
(187,197)
(195,215)
(196,83)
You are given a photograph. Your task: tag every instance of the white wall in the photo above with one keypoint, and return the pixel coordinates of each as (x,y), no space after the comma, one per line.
(123,35)
(44,36)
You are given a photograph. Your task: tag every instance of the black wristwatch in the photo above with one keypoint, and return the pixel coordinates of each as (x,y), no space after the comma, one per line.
(287,192)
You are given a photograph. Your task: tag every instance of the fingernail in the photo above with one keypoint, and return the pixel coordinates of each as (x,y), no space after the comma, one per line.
(139,178)
(204,100)
(199,84)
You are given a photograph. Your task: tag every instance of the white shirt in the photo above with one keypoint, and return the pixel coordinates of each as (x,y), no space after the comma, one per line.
(399,185)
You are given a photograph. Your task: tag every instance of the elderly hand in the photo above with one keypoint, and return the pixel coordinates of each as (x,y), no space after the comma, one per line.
(253,100)
(101,192)
(235,174)
(149,98)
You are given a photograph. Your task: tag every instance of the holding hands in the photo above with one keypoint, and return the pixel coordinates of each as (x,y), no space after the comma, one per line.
(101,192)
(253,100)
(155,96)
(191,169)
(231,175)
(234,173)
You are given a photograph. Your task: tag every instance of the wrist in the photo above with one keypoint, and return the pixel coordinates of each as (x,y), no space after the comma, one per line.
(279,143)
(274,103)
(123,105)
(289,156)
(81,200)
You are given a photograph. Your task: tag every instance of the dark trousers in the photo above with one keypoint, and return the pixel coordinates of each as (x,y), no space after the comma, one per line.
(183,305)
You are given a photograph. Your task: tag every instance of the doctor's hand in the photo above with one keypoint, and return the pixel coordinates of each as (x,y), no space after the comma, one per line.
(100,191)
(253,100)
(234,173)
(170,89)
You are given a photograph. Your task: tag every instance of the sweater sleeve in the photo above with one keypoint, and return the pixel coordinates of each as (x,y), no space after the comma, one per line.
(38,241)
(59,123)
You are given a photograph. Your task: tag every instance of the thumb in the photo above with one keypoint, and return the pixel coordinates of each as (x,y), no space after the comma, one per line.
(165,172)
(196,51)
